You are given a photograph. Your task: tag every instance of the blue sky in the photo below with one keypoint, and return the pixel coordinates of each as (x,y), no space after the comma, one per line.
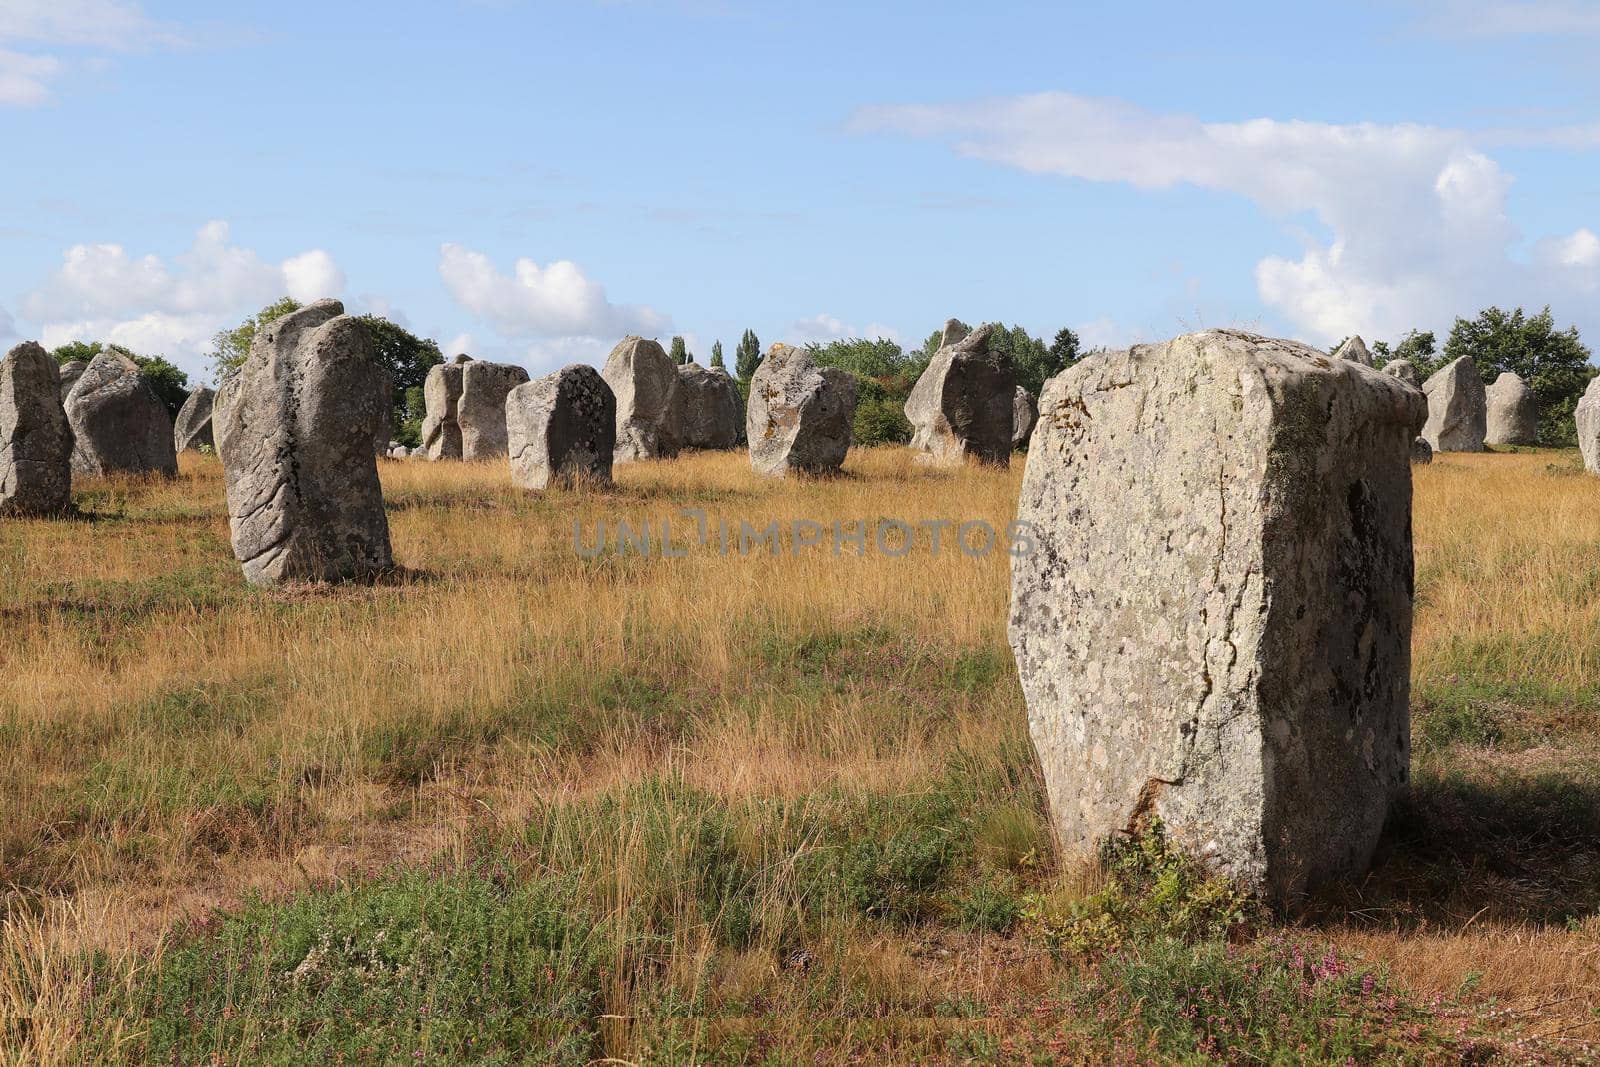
(531,180)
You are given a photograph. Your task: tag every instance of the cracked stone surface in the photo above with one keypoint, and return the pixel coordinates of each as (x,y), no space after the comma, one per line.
(963,404)
(35,438)
(1457,408)
(645,382)
(441,395)
(1513,412)
(192,428)
(1214,624)
(562,429)
(801,416)
(1024,413)
(295,428)
(119,423)
(481,411)
(706,408)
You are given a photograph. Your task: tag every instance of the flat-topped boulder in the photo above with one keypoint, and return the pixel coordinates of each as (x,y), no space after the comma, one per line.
(481,410)
(35,438)
(1024,413)
(645,382)
(119,424)
(963,404)
(295,427)
(562,429)
(441,396)
(1212,624)
(706,408)
(191,430)
(800,415)
(1457,408)
(1512,416)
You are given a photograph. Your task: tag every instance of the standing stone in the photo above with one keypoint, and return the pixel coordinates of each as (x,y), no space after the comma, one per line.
(35,439)
(1588,419)
(1513,412)
(1421,451)
(70,373)
(120,424)
(441,395)
(192,430)
(963,404)
(1024,413)
(481,411)
(562,428)
(955,331)
(705,408)
(1213,622)
(1457,408)
(1355,350)
(800,415)
(645,382)
(294,427)
(1402,369)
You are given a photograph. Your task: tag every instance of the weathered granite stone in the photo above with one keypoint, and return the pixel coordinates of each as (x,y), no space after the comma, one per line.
(119,423)
(1024,413)
(294,427)
(441,396)
(1512,412)
(705,408)
(1421,451)
(1356,351)
(192,429)
(35,439)
(1212,623)
(1402,369)
(481,411)
(962,406)
(644,381)
(1457,408)
(800,415)
(955,331)
(1588,418)
(70,373)
(562,428)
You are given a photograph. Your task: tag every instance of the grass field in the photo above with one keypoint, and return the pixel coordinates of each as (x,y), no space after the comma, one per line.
(516,805)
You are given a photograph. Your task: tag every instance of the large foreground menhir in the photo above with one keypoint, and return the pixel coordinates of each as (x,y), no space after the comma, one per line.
(1214,629)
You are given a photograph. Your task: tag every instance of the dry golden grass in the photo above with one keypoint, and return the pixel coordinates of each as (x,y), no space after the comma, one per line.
(171,739)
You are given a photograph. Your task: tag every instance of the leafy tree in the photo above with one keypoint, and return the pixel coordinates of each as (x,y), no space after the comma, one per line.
(407,356)
(884,377)
(169,383)
(716,355)
(679,352)
(1064,352)
(747,357)
(412,412)
(1554,363)
(230,347)
(1417,347)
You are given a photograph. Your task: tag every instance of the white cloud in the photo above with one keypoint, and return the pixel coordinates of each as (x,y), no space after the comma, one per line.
(534,303)
(822,328)
(1510,18)
(88,26)
(101,293)
(1417,213)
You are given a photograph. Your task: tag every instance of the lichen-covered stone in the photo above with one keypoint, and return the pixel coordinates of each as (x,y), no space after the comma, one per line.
(963,404)
(1212,613)
(1588,419)
(70,373)
(35,439)
(645,382)
(191,431)
(705,408)
(441,395)
(1024,413)
(562,429)
(1457,408)
(119,424)
(1513,412)
(295,427)
(800,415)
(481,411)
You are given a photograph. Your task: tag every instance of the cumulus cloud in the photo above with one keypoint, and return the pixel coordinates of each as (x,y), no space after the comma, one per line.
(1417,213)
(553,303)
(93,27)
(822,328)
(102,293)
